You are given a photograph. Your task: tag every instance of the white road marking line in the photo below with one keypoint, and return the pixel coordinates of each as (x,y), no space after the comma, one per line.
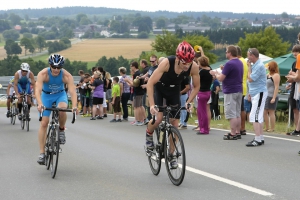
(266,136)
(230,182)
(227,181)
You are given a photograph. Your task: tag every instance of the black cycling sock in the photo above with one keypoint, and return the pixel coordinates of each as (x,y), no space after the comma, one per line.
(62,128)
(29,105)
(20,107)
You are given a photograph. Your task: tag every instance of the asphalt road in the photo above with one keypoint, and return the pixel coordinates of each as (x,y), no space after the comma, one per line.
(103,160)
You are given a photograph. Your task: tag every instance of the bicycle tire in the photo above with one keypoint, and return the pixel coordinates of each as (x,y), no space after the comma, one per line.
(175,175)
(26,117)
(11,114)
(55,151)
(48,156)
(155,155)
(22,120)
(14,114)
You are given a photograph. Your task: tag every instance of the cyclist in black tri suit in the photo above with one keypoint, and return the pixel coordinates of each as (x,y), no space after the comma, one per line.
(166,81)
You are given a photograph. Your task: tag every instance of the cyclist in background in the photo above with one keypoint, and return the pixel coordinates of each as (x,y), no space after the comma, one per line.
(10,92)
(23,78)
(50,88)
(166,81)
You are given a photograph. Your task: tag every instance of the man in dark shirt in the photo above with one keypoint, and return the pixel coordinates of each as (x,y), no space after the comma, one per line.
(145,67)
(138,91)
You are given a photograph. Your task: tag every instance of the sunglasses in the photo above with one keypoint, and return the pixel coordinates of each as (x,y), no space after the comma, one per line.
(249,50)
(152,60)
(56,67)
(24,71)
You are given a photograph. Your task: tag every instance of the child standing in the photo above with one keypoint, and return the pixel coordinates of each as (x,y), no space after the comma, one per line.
(115,93)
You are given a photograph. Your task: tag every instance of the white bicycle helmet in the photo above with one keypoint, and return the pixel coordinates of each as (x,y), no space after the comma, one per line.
(25,67)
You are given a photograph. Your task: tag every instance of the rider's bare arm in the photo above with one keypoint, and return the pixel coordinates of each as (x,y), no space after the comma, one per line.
(41,78)
(196,82)
(31,76)
(16,80)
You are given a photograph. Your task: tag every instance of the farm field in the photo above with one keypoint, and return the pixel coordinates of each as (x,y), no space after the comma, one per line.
(90,50)
(93,50)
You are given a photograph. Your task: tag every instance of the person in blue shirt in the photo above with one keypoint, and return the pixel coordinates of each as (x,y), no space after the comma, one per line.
(50,88)
(23,78)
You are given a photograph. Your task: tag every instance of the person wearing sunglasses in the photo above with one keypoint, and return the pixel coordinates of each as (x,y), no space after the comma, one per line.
(50,88)
(165,82)
(22,81)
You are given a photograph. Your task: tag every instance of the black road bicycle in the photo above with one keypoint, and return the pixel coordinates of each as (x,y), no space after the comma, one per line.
(168,144)
(52,146)
(13,109)
(25,112)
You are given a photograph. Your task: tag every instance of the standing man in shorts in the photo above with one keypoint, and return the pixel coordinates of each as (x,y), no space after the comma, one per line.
(50,88)
(232,78)
(258,91)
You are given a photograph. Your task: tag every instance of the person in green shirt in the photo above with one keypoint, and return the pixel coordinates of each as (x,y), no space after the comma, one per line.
(116,99)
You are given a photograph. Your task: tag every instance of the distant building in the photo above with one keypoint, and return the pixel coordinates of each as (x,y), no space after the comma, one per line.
(257,24)
(17,27)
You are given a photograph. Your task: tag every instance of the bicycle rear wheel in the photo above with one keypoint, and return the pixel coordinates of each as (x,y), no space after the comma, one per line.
(55,151)
(155,155)
(175,149)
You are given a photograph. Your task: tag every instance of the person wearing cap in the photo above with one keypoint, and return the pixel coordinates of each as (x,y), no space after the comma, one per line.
(22,81)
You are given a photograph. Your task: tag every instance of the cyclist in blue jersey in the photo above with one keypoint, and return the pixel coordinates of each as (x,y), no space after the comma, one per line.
(23,78)
(50,88)
(10,92)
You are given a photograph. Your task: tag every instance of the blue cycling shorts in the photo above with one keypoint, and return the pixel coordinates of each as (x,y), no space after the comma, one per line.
(49,99)
(24,88)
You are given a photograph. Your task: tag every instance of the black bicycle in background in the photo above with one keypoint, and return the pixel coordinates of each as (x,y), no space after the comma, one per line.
(25,118)
(13,109)
(168,144)
(52,146)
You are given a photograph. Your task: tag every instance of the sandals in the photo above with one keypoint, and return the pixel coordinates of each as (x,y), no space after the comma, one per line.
(197,127)
(243,132)
(269,130)
(228,136)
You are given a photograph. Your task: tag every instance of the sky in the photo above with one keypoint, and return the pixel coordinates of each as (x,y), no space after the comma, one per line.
(235,6)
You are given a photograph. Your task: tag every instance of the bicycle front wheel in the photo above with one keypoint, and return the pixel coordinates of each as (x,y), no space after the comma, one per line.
(14,114)
(48,149)
(55,152)
(175,152)
(26,120)
(22,121)
(154,157)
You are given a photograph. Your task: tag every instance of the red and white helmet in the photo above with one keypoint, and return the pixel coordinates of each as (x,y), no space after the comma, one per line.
(185,52)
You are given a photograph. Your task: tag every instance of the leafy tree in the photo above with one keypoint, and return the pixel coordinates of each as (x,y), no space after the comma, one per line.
(9,65)
(12,48)
(15,19)
(27,35)
(27,43)
(24,30)
(268,42)
(40,42)
(80,16)
(143,35)
(4,25)
(11,34)
(166,43)
(115,26)
(205,43)
(284,15)
(161,23)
